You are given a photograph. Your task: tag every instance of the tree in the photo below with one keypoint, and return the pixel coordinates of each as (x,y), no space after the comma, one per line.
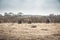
(52,18)
(19,14)
(11,14)
(0,15)
(6,14)
(51,15)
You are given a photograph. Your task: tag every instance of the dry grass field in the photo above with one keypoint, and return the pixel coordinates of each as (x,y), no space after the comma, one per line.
(34,31)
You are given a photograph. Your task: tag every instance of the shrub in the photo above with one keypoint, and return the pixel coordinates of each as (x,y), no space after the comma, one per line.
(19,22)
(29,22)
(34,26)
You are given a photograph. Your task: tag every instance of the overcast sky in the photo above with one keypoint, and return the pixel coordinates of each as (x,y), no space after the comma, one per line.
(32,7)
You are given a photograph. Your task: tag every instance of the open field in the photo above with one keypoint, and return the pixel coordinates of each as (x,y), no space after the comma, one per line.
(34,31)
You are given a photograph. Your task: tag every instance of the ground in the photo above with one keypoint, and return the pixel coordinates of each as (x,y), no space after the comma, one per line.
(34,31)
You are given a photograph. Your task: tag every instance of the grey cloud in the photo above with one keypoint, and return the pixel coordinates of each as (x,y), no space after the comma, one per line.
(31,6)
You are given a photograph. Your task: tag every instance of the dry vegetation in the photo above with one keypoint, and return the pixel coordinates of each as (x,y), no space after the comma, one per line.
(33,31)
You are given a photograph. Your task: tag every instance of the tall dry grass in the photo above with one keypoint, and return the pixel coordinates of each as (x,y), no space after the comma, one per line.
(24,31)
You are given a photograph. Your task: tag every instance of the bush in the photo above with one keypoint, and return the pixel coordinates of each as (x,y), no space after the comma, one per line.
(29,22)
(19,22)
(34,26)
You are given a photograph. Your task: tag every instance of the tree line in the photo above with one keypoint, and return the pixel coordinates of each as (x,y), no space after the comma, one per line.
(20,18)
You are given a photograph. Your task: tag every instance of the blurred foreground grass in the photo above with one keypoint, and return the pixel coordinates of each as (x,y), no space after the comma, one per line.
(34,31)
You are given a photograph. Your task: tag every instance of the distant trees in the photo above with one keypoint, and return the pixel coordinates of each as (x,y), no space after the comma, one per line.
(11,14)
(11,17)
(1,18)
(19,14)
(52,18)
(51,15)
(1,15)
(6,14)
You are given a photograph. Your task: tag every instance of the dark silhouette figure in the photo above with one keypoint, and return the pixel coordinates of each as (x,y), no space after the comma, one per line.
(19,22)
(48,21)
(29,22)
